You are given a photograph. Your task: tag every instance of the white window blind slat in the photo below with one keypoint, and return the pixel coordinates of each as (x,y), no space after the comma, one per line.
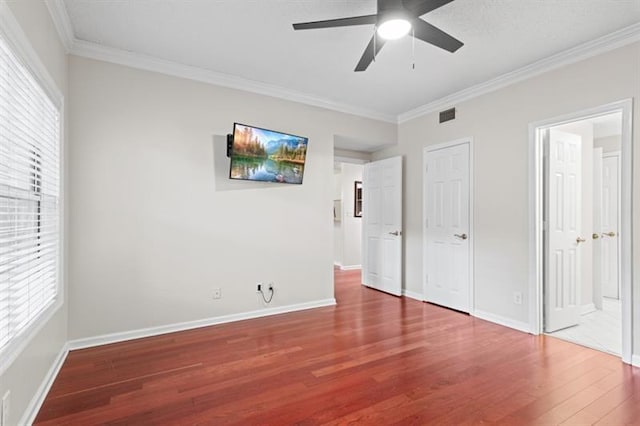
(45,156)
(29,192)
(22,131)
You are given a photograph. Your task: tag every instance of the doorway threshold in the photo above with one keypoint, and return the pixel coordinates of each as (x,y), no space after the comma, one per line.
(599,330)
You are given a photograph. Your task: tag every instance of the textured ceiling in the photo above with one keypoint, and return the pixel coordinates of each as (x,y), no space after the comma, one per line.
(254,40)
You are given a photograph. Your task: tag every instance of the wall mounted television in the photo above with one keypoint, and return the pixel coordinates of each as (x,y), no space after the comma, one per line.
(266,155)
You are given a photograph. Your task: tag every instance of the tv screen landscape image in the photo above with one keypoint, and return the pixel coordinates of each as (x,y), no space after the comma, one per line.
(266,155)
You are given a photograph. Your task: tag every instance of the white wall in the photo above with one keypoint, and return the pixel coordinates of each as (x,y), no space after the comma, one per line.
(25,375)
(584,129)
(608,144)
(156,223)
(498,122)
(355,156)
(351,225)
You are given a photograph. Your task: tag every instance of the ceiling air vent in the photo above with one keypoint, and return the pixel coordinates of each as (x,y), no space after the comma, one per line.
(447,115)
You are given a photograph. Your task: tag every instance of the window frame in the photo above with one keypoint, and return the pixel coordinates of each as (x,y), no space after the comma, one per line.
(20,46)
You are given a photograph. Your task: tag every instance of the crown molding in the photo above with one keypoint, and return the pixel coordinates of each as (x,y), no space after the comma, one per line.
(61,21)
(586,50)
(92,50)
(149,63)
(78,47)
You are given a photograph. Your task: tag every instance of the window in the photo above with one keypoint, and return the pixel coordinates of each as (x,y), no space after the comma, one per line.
(29,198)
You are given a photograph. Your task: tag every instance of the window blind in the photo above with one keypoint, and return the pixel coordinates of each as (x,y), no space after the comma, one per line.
(29,197)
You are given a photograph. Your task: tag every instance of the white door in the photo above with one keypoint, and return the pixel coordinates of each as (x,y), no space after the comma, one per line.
(610,218)
(447,280)
(563,239)
(597,228)
(382,225)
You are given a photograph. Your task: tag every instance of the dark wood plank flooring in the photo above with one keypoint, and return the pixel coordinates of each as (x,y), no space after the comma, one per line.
(373,359)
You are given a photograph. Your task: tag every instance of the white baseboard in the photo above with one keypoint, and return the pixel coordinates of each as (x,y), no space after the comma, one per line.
(497,319)
(635,360)
(412,295)
(36,402)
(587,309)
(350,267)
(170,328)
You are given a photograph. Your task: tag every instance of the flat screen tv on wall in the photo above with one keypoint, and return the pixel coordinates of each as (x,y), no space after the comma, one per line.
(266,155)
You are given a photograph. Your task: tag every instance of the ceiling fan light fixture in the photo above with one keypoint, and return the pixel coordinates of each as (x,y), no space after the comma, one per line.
(394,29)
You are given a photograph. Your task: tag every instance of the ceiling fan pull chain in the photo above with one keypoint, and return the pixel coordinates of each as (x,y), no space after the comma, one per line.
(374,42)
(413,47)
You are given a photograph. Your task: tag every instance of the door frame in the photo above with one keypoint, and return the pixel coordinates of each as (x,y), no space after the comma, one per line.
(536,195)
(468,141)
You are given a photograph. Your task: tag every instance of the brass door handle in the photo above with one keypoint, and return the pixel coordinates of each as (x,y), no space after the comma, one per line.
(580,240)
(461,236)
(609,234)
(595,236)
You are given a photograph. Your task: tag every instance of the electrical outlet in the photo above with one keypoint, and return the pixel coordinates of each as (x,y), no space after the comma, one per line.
(259,287)
(517,298)
(4,417)
(217,293)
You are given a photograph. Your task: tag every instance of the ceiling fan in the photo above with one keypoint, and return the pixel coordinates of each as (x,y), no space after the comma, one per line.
(395,19)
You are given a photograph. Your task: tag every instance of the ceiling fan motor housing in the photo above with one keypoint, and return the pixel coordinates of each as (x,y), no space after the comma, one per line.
(384,5)
(392,9)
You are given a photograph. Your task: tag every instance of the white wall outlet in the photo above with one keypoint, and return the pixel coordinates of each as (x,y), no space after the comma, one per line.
(4,417)
(217,293)
(517,297)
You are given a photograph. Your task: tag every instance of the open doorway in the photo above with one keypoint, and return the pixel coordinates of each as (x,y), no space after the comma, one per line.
(598,320)
(368,220)
(347,215)
(581,228)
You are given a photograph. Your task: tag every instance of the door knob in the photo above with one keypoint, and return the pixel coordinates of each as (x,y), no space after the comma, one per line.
(396,233)
(461,236)
(595,236)
(609,234)
(580,240)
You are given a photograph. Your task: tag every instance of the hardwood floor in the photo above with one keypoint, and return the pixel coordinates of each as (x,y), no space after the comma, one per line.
(374,359)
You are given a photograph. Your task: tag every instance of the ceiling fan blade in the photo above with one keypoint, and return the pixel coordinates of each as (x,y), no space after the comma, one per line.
(421,7)
(426,32)
(368,55)
(342,22)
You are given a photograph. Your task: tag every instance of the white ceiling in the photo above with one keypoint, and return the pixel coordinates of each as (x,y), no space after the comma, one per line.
(254,40)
